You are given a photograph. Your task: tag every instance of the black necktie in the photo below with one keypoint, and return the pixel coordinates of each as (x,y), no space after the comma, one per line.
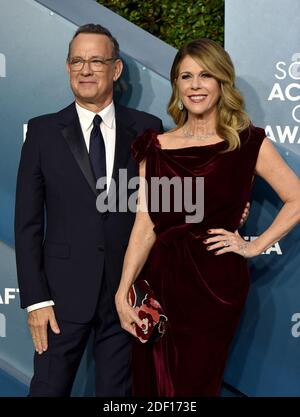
(97,149)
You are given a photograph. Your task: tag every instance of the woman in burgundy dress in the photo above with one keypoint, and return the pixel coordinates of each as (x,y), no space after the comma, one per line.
(198,270)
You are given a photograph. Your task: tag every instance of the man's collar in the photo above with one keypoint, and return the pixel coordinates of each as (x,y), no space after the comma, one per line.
(86,116)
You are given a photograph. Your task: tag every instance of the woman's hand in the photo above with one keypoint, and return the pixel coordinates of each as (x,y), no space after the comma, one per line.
(225,241)
(128,317)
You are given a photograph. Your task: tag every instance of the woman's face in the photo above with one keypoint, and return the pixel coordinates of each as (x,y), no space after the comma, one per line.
(198,90)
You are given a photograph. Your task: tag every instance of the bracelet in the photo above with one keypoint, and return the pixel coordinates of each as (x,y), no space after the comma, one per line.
(242,248)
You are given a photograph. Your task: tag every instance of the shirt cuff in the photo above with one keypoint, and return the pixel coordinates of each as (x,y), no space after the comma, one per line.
(40,305)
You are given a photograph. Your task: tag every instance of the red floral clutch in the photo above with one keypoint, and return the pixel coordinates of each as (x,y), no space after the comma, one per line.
(143,300)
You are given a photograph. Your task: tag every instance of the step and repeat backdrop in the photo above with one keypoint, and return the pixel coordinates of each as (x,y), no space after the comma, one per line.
(262,38)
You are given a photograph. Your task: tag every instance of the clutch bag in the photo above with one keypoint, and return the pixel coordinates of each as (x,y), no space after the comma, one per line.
(149,310)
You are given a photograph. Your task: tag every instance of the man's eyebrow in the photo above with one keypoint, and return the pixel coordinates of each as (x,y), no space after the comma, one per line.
(92,57)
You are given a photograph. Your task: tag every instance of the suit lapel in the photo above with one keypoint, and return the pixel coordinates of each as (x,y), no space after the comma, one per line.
(71,131)
(125,134)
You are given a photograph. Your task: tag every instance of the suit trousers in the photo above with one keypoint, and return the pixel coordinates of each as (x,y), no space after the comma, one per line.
(55,369)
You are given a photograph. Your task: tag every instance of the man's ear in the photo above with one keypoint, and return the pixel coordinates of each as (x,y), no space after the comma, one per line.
(118,69)
(68,67)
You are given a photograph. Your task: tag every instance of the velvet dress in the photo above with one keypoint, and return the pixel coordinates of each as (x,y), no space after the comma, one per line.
(202,294)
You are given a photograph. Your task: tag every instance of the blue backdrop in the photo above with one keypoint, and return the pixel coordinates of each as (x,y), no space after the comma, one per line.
(262,38)
(34,37)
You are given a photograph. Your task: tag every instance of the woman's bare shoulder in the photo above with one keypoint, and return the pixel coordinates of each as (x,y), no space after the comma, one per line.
(164,138)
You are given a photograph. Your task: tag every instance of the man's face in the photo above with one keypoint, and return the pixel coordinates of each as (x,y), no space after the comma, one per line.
(93,88)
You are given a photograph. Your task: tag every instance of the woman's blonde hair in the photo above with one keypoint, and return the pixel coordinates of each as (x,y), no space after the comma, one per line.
(231,117)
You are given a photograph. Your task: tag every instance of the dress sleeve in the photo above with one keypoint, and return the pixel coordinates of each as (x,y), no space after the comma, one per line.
(258,135)
(251,141)
(143,144)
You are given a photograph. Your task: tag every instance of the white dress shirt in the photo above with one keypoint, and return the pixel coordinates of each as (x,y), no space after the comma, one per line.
(108,130)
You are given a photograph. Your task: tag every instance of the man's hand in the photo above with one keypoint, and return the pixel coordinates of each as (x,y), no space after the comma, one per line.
(38,324)
(245,215)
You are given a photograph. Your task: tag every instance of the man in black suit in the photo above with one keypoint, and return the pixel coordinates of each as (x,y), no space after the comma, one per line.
(69,255)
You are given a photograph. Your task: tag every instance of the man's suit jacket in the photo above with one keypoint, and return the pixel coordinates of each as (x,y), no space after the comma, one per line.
(64,246)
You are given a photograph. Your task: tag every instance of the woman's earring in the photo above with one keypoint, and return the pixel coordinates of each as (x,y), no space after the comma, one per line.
(180,105)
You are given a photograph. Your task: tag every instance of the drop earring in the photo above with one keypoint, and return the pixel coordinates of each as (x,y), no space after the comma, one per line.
(180,105)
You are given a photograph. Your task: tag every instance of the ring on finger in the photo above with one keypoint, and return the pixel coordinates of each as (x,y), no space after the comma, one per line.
(226,243)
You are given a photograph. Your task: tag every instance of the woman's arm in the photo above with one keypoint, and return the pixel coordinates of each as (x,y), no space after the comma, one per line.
(273,169)
(141,241)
